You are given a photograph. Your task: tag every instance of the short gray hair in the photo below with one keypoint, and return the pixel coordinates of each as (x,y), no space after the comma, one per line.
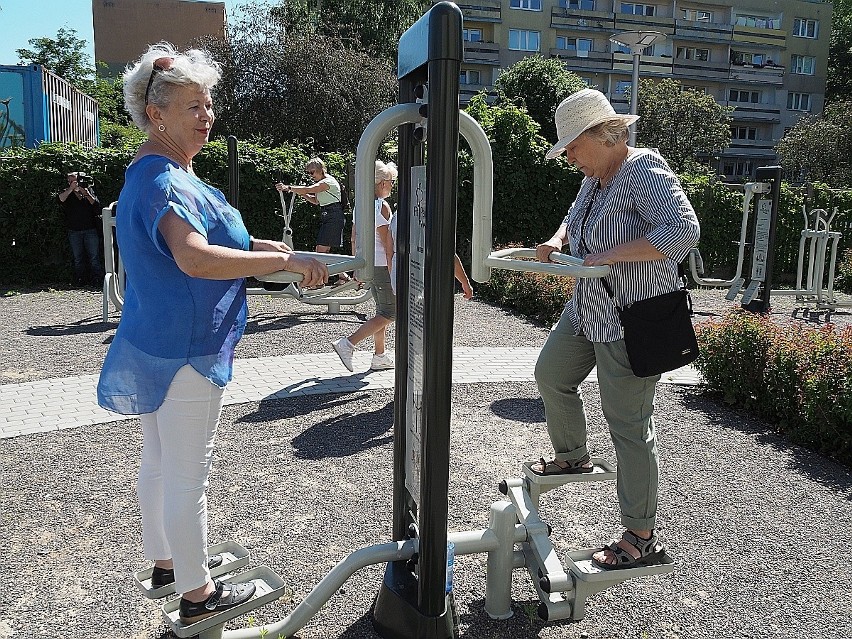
(385,171)
(610,132)
(191,68)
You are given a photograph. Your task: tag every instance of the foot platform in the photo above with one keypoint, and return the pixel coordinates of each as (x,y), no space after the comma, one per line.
(601,471)
(269,587)
(234,557)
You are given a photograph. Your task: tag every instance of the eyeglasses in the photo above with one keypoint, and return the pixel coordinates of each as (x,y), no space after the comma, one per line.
(160,64)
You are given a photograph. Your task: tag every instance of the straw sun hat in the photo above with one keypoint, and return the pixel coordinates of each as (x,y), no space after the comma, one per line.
(579,112)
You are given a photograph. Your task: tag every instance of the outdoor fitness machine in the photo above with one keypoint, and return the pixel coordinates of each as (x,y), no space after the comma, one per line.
(817,257)
(277,284)
(415,598)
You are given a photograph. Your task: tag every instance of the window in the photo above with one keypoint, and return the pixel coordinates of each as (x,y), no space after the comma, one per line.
(470,76)
(472,35)
(578,45)
(760,22)
(737,168)
(622,89)
(635,9)
(696,15)
(585,5)
(799,101)
(528,5)
(741,95)
(523,40)
(753,59)
(615,47)
(802,64)
(692,53)
(804,28)
(744,133)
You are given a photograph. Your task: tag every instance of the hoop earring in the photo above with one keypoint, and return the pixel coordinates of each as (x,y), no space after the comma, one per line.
(161,128)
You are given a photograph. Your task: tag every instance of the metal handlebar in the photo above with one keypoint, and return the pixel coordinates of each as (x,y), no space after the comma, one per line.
(516,259)
(336,264)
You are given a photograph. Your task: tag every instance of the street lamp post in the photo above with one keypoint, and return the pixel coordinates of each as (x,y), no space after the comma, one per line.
(637,42)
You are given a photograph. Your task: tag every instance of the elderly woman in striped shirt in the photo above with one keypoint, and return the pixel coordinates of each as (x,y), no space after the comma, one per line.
(632,214)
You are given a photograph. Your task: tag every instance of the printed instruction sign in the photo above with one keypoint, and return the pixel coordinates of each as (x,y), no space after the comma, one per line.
(416,288)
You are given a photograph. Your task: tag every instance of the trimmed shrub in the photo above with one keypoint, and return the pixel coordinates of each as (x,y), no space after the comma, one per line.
(797,377)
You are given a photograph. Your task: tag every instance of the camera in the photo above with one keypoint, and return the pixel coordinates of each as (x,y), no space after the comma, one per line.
(84,181)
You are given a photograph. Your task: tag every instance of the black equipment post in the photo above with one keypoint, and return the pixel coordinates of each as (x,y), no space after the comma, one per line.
(763,246)
(414,605)
(233,173)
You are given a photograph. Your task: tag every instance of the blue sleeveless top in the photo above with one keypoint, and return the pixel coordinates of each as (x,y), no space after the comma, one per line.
(170,319)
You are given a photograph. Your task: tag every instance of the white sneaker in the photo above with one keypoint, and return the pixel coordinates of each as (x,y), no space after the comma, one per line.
(345,350)
(381,362)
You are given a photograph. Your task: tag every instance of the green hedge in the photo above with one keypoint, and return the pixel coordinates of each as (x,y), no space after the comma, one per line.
(531,196)
(33,245)
(797,377)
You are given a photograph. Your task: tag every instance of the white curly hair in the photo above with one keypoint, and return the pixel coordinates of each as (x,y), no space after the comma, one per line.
(193,67)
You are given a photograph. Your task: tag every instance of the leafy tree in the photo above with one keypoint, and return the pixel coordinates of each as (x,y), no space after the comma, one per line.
(540,84)
(681,123)
(839,80)
(372,26)
(282,85)
(819,147)
(64,55)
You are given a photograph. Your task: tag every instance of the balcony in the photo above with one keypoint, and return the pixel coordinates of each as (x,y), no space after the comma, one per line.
(703,31)
(481,10)
(760,36)
(584,61)
(760,75)
(628,22)
(752,148)
(582,20)
(748,112)
(648,64)
(700,70)
(482,53)
(467,91)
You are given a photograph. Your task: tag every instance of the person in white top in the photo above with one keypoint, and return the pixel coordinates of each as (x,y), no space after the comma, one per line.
(382,290)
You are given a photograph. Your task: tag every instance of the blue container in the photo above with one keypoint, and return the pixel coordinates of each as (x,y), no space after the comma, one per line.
(38,106)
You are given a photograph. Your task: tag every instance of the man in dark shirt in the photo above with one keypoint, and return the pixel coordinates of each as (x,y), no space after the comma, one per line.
(81,209)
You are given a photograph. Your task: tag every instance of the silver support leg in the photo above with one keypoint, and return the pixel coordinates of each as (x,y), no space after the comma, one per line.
(498,576)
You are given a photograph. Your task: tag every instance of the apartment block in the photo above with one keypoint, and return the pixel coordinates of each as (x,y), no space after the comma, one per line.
(765,58)
(124,28)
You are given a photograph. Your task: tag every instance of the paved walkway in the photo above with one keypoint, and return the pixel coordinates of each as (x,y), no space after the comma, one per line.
(54,404)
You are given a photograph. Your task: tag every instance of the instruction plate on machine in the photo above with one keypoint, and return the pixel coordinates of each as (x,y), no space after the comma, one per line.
(416,287)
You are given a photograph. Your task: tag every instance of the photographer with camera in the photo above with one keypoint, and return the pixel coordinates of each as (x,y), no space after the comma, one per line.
(82,211)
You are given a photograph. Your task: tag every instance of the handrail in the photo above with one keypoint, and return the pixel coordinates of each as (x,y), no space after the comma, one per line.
(517,259)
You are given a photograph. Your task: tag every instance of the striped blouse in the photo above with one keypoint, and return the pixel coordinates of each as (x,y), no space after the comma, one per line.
(643,199)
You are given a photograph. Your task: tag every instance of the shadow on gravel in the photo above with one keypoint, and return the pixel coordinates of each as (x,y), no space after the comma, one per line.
(84,326)
(347,433)
(520,409)
(263,322)
(808,462)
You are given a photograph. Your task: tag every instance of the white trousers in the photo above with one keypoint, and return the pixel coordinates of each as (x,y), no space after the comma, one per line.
(177,455)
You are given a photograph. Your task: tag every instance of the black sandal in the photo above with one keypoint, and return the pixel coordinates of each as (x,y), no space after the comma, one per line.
(572,466)
(651,552)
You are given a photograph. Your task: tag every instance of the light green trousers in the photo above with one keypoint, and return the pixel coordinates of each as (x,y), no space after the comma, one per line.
(628,406)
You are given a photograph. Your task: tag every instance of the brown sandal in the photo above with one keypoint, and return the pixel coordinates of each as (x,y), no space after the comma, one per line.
(572,466)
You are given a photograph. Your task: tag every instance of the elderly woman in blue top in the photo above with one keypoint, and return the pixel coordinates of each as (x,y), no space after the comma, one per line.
(187,253)
(632,214)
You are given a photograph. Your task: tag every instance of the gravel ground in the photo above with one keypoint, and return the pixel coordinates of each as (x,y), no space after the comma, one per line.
(759,527)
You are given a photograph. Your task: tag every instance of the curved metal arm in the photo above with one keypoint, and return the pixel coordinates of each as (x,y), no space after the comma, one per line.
(512,259)
(365,179)
(483,195)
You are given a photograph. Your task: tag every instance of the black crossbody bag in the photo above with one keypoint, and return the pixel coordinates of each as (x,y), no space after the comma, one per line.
(658,332)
